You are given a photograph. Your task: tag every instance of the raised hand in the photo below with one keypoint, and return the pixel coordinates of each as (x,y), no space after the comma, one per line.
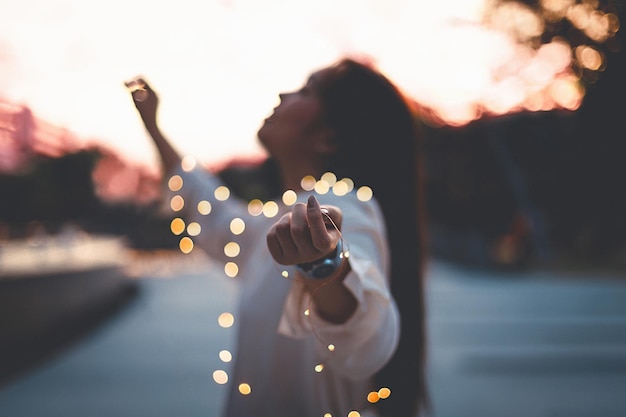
(145,99)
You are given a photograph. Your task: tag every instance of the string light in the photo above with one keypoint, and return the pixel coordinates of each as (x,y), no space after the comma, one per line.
(177,226)
(290,197)
(185,245)
(175,183)
(188,163)
(232,249)
(204,207)
(237,226)
(177,203)
(225,356)
(245,389)
(194,229)
(270,209)
(221,193)
(220,376)
(231,269)
(226,320)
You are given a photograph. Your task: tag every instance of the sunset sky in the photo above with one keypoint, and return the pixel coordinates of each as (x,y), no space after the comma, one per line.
(219,65)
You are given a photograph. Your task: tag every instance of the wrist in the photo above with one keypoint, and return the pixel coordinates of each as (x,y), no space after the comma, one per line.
(324,267)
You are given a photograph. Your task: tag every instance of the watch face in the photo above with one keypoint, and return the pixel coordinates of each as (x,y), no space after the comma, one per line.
(324,269)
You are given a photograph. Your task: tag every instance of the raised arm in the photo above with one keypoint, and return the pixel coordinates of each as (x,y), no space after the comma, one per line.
(147,103)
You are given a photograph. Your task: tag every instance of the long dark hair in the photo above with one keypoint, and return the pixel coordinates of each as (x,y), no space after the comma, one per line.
(376,131)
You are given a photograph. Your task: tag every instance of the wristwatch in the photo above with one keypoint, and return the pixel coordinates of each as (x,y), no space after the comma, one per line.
(324,267)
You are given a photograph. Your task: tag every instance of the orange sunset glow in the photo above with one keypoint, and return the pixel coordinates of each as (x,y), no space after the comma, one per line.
(219,65)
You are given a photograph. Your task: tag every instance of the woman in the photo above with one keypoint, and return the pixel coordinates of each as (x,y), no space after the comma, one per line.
(328,339)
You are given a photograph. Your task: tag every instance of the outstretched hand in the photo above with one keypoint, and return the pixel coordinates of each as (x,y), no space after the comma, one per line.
(305,234)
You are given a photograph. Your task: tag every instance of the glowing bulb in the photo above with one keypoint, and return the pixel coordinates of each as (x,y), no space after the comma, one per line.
(340,188)
(373,397)
(226,320)
(221,377)
(384,392)
(237,226)
(232,249)
(354,414)
(270,209)
(328,415)
(307,312)
(204,207)
(329,178)
(231,269)
(308,183)
(255,207)
(177,203)
(222,193)
(319,368)
(244,389)
(185,245)
(349,183)
(177,226)
(188,163)
(321,187)
(175,183)
(331,347)
(290,197)
(364,193)
(225,356)
(285,274)
(194,229)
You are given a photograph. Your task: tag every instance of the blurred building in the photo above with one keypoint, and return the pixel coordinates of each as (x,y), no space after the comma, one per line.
(23,135)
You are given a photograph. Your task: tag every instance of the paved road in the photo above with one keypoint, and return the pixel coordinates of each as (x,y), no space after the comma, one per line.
(502,345)
(527,345)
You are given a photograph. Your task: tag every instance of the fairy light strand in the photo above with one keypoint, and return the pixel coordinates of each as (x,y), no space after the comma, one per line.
(327,183)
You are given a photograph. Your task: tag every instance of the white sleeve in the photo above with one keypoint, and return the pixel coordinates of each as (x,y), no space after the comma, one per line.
(199,186)
(366,341)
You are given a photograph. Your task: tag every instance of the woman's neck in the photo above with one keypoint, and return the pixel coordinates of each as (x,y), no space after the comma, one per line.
(292,174)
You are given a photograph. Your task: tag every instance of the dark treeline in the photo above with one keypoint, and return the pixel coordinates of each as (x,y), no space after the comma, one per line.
(51,193)
(514,191)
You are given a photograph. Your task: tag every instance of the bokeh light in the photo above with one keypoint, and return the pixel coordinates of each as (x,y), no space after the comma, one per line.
(220,377)
(245,389)
(225,356)
(237,226)
(364,193)
(321,187)
(231,269)
(226,320)
(308,183)
(204,207)
(222,193)
(232,249)
(194,229)
(270,209)
(290,197)
(341,188)
(373,397)
(188,163)
(177,203)
(177,226)
(384,393)
(255,207)
(175,183)
(186,245)
(330,178)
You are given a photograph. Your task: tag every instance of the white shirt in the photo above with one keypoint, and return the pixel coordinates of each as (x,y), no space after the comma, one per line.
(278,346)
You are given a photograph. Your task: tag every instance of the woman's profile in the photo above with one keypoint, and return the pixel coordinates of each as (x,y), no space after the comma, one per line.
(331,306)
